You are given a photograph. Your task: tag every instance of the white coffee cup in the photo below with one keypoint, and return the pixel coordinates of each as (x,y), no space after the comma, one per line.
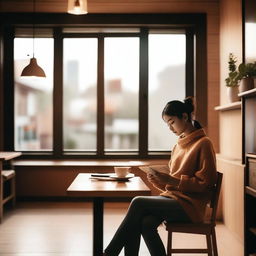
(122,171)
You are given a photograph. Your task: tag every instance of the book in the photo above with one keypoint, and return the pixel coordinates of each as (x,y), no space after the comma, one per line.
(155,168)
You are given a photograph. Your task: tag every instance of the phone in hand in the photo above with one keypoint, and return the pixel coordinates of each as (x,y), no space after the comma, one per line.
(152,171)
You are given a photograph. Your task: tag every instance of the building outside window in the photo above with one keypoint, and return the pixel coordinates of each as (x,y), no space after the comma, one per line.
(33,96)
(80,93)
(167,81)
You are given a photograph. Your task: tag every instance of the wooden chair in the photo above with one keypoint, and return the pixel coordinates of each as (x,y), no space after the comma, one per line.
(7,175)
(206,228)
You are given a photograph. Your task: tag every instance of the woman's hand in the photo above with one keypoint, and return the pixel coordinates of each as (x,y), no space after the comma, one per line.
(162,178)
(152,178)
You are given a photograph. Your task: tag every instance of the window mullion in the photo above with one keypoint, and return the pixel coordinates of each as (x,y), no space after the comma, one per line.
(8,81)
(143,94)
(189,62)
(201,73)
(58,94)
(100,98)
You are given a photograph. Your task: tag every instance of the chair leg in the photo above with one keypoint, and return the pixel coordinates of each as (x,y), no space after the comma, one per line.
(1,198)
(209,245)
(13,191)
(169,244)
(214,243)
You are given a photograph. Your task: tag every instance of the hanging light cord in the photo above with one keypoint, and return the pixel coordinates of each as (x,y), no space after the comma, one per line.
(33,69)
(34,10)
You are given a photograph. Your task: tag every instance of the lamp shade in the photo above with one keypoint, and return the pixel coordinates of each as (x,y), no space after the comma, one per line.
(32,69)
(77,7)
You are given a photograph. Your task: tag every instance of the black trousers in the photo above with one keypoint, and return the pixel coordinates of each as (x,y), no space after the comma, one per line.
(144,215)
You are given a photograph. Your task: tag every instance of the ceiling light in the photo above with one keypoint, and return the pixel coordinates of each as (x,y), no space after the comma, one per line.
(32,69)
(77,7)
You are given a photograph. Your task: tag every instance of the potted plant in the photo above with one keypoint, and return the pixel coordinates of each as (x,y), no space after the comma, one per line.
(233,79)
(247,73)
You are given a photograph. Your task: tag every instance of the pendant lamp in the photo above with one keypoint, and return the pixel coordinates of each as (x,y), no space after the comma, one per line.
(77,7)
(33,69)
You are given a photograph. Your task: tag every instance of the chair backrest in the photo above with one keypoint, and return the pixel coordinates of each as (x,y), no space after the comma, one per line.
(215,197)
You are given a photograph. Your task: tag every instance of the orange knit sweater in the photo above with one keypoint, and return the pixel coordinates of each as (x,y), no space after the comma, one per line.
(193,163)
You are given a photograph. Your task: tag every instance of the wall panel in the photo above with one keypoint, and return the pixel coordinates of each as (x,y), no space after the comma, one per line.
(232,197)
(231,122)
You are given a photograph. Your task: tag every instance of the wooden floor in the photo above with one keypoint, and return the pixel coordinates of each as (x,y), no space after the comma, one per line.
(64,229)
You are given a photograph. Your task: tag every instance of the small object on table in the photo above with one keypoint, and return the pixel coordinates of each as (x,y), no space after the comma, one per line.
(111,177)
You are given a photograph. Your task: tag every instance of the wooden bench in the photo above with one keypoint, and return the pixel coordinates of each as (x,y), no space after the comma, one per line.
(7,176)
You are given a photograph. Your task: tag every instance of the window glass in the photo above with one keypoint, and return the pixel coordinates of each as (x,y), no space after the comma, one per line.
(33,96)
(167,55)
(80,93)
(121,72)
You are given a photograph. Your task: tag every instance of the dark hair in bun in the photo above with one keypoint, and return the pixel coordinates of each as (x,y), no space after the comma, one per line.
(177,108)
(189,105)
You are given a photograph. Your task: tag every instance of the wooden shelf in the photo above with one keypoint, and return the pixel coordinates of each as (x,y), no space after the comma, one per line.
(251,155)
(231,106)
(250,191)
(248,93)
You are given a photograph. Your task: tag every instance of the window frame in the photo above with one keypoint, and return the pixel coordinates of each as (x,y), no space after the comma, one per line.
(193,24)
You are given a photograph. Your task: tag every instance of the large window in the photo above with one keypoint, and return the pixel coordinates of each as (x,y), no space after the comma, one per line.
(121,69)
(105,85)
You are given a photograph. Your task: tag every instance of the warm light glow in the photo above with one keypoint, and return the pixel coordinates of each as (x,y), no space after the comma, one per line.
(77,7)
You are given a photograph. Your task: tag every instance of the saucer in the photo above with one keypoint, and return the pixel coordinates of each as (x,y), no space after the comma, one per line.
(127,177)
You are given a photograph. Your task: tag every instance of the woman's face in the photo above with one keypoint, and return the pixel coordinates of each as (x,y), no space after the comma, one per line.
(175,124)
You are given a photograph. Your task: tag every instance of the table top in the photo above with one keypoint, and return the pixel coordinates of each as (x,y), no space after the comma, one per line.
(83,186)
(8,155)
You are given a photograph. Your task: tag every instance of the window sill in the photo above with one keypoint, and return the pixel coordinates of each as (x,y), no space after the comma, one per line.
(121,162)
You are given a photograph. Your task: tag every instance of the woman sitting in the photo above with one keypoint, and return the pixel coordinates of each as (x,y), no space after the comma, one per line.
(184,191)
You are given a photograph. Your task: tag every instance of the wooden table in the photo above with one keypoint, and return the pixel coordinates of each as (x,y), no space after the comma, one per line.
(83,186)
(4,156)
(8,155)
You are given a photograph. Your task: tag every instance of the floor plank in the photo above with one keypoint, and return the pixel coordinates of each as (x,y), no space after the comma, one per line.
(64,229)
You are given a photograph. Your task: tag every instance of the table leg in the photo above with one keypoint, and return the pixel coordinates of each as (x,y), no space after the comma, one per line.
(1,192)
(98,204)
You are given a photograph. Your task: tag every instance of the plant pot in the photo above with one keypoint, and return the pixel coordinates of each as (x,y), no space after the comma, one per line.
(232,93)
(246,84)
